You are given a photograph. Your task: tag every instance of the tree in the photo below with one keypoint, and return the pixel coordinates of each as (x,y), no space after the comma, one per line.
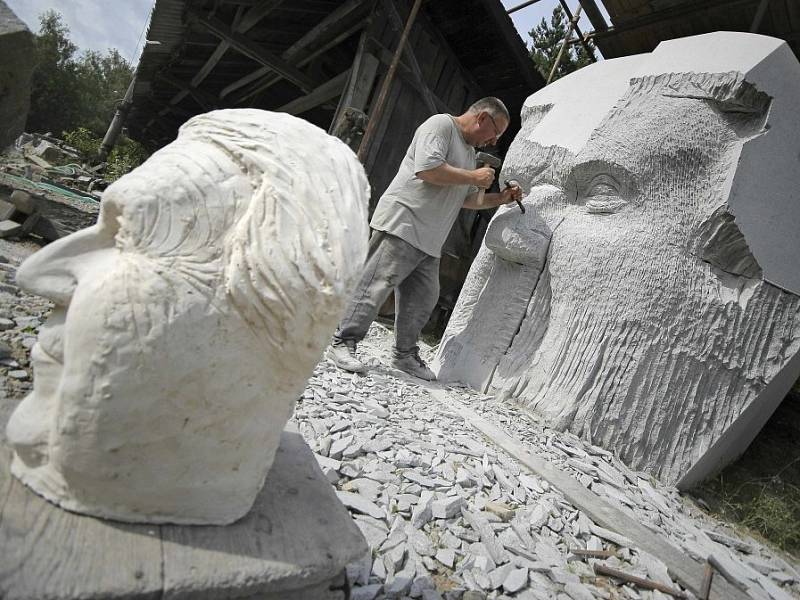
(75,98)
(547,39)
(70,92)
(54,95)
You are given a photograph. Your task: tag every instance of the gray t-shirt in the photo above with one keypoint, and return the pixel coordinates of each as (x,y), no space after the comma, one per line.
(418,212)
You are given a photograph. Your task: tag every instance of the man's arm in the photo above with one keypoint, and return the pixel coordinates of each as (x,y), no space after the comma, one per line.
(446,174)
(510,194)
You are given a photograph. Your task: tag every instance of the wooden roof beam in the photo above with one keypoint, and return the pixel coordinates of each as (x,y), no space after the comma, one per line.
(594,15)
(327,91)
(666,15)
(251,49)
(332,25)
(265,78)
(240,25)
(206,101)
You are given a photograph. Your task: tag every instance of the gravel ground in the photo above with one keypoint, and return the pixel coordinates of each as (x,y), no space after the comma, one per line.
(445,512)
(449,515)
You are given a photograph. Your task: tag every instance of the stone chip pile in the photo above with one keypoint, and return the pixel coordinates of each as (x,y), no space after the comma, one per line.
(448,515)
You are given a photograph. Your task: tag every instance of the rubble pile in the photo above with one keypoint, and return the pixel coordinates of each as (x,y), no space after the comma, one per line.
(449,515)
(45,191)
(51,162)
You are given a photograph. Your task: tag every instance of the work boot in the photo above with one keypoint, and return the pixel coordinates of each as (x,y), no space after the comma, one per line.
(344,356)
(413,365)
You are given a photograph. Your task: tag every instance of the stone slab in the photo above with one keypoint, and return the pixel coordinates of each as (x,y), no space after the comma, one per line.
(16,70)
(294,544)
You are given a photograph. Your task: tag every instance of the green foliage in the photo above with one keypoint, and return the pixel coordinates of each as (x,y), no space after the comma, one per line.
(71,92)
(761,491)
(126,155)
(84,141)
(547,39)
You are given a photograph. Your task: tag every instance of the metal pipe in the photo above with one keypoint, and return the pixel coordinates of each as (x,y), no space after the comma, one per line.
(377,111)
(117,122)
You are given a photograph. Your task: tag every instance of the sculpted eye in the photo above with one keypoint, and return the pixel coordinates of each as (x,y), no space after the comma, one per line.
(603,185)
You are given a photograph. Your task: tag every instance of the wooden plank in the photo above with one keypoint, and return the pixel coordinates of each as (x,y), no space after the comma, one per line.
(269,81)
(397,21)
(329,27)
(297,531)
(51,553)
(206,101)
(407,76)
(362,78)
(303,51)
(59,215)
(245,46)
(684,569)
(667,15)
(293,544)
(243,25)
(327,91)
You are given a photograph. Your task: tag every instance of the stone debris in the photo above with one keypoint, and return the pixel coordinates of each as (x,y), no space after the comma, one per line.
(430,500)
(449,516)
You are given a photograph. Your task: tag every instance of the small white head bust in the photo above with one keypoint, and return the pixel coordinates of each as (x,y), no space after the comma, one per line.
(188,320)
(649,300)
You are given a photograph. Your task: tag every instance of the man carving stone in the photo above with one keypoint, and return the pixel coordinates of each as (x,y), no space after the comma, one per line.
(188,320)
(437,178)
(651,295)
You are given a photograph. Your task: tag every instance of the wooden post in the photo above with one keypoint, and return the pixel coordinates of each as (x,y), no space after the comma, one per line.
(572,23)
(427,95)
(762,8)
(387,82)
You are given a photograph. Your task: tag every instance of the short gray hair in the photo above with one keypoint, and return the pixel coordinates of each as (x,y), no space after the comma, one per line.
(493,106)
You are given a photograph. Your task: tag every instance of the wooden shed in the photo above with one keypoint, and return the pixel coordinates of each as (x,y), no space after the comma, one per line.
(639,25)
(324,60)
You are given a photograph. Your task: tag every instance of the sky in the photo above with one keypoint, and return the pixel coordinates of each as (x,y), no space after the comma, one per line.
(103,24)
(94,24)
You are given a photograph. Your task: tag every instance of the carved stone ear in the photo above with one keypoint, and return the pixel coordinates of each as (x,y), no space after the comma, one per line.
(719,242)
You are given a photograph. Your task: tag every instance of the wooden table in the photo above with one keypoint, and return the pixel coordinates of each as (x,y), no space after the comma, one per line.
(292,545)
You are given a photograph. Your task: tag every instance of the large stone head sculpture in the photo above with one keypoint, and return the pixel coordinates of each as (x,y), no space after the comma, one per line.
(648,300)
(188,319)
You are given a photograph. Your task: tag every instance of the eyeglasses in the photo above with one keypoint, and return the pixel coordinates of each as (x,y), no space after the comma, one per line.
(497,132)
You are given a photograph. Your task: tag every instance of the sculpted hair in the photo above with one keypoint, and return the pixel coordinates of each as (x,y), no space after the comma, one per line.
(493,106)
(255,207)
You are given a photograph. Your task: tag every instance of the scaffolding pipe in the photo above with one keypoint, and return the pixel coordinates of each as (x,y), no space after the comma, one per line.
(564,43)
(114,129)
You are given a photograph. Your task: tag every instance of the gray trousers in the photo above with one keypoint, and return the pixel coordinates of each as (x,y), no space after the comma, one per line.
(393,264)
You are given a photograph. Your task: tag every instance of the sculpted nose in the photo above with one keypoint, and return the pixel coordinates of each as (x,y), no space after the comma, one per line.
(53,271)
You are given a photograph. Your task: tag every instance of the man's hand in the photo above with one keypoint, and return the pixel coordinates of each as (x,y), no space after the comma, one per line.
(512,193)
(483,177)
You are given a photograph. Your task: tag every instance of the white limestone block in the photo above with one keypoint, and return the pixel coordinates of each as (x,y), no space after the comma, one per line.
(188,320)
(649,300)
